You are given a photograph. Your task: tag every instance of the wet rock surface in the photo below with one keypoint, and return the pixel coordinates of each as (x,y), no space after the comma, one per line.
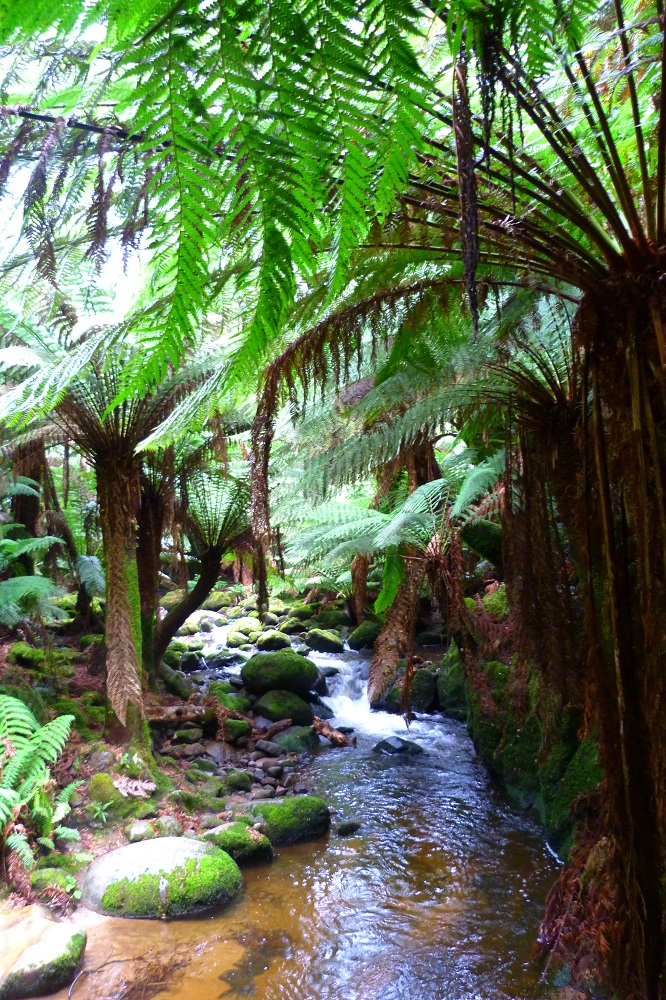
(38,955)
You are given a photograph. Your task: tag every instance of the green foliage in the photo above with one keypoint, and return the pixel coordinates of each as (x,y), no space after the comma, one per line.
(26,788)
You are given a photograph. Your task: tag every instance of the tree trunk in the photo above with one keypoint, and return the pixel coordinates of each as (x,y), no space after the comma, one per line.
(167,628)
(149,547)
(359,577)
(29,461)
(117,490)
(396,638)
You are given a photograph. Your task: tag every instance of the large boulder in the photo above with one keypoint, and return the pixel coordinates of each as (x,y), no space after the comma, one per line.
(241,842)
(245,624)
(38,955)
(292,820)
(278,705)
(283,670)
(271,641)
(364,635)
(168,877)
(424,690)
(217,600)
(324,641)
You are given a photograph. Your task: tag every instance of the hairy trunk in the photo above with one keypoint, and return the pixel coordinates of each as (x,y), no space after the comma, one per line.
(149,546)
(167,628)
(396,638)
(29,462)
(359,577)
(117,488)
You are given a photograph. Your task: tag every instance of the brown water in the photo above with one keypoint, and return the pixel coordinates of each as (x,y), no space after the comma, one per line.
(438,897)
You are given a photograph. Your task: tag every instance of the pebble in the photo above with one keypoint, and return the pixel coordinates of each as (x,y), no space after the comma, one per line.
(262,792)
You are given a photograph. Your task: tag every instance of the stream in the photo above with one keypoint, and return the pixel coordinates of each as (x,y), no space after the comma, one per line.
(437,897)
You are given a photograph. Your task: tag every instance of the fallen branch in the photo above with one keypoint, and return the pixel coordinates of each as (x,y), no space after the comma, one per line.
(335,737)
(276,728)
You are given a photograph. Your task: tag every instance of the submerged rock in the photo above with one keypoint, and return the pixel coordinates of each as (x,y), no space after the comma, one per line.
(396,745)
(39,955)
(347,827)
(283,670)
(292,820)
(168,877)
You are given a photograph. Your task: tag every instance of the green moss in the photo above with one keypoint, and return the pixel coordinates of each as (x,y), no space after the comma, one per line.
(278,705)
(234,702)
(90,640)
(470,603)
(66,862)
(45,877)
(302,611)
(216,688)
(583,774)
(324,640)
(291,626)
(292,820)
(298,739)
(330,617)
(451,693)
(364,635)
(283,670)
(498,675)
(217,600)
(272,641)
(236,729)
(516,760)
(170,600)
(238,781)
(484,538)
(84,717)
(496,604)
(424,690)
(25,655)
(241,844)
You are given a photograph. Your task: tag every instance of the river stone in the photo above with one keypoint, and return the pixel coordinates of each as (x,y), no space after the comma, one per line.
(168,826)
(278,705)
(396,745)
(324,641)
(272,641)
(283,670)
(347,827)
(364,635)
(292,820)
(298,739)
(269,747)
(242,843)
(190,735)
(136,832)
(38,955)
(168,877)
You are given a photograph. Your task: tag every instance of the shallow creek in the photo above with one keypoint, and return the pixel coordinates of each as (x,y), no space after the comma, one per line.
(437,897)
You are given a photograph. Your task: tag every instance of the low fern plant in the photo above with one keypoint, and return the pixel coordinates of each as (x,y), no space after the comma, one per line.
(31,814)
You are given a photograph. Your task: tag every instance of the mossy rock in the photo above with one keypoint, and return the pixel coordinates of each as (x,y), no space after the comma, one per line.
(167,877)
(324,641)
(292,820)
(46,955)
(302,611)
(390,701)
(189,628)
(236,640)
(216,688)
(364,635)
(484,538)
(496,604)
(175,681)
(42,878)
(583,774)
(236,729)
(451,685)
(170,600)
(84,717)
(277,705)
(272,641)
(24,655)
(101,789)
(217,600)
(291,626)
(238,781)
(499,676)
(253,636)
(283,670)
(240,842)
(424,690)
(234,702)
(270,620)
(278,607)
(240,613)
(71,863)
(191,802)
(516,759)
(297,739)
(329,618)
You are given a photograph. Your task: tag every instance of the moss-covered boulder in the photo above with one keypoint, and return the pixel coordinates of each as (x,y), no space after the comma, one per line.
(245,624)
(496,603)
(42,878)
(217,600)
(324,641)
(234,702)
(39,956)
(298,739)
(168,877)
(278,607)
(278,705)
(235,730)
(236,640)
(283,670)
(170,600)
(241,842)
(302,611)
(332,617)
(424,690)
(102,790)
(292,820)
(238,781)
(364,635)
(451,693)
(291,626)
(269,642)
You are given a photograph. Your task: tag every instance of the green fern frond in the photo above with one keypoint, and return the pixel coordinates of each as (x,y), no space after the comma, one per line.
(19,844)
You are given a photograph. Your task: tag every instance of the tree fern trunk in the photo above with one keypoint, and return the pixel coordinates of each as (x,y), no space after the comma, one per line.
(397,635)
(149,547)
(117,488)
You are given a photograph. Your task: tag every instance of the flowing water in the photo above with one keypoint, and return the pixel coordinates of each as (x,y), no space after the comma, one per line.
(437,897)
